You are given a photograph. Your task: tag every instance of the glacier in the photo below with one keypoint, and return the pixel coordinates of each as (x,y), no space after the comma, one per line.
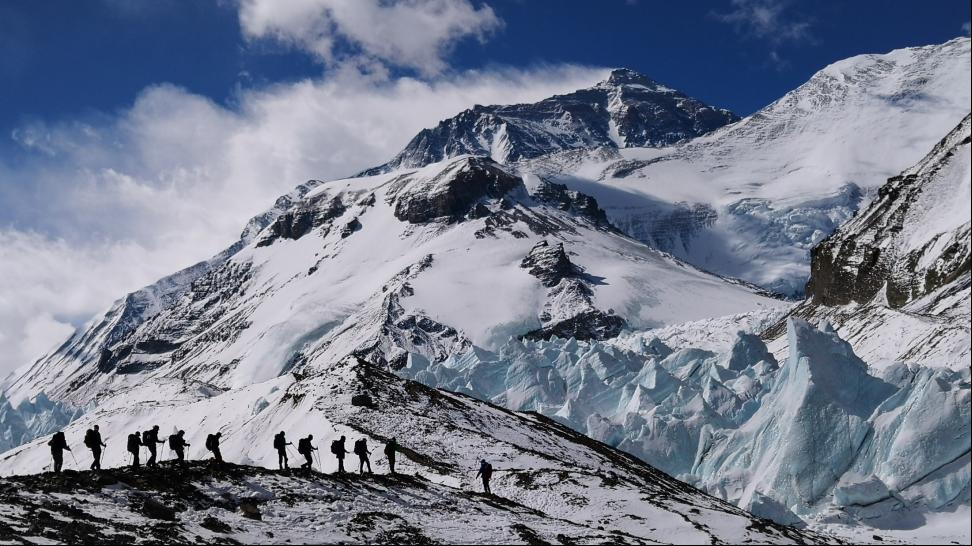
(814,436)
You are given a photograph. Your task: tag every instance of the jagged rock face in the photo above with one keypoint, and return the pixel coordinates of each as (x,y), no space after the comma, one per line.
(549,263)
(299,220)
(913,239)
(626,110)
(572,201)
(569,310)
(453,194)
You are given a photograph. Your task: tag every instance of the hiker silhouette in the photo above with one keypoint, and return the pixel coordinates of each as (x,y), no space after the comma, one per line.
(486,471)
(361,450)
(307,449)
(280,443)
(337,448)
(212,444)
(134,444)
(92,440)
(58,445)
(150,439)
(178,445)
(390,449)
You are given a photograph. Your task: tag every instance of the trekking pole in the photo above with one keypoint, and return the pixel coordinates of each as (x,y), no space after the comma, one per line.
(76,467)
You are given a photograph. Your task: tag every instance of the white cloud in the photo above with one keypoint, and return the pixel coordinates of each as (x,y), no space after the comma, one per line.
(966,29)
(416,34)
(96,207)
(768,19)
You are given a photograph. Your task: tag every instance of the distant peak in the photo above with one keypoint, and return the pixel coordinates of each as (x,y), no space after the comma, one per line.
(623,76)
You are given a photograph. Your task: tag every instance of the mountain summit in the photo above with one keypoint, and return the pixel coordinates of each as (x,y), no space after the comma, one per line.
(625,110)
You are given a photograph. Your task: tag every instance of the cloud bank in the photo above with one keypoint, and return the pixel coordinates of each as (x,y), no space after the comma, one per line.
(416,34)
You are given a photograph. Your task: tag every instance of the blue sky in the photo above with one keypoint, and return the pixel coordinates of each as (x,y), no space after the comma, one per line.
(66,57)
(137,137)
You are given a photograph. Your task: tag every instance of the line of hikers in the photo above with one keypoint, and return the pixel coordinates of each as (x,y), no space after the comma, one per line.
(177,443)
(306,448)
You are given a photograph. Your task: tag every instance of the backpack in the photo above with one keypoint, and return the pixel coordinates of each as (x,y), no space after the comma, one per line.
(303,446)
(148,438)
(89,440)
(359,447)
(133,443)
(174,441)
(211,442)
(336,447)
(278,441)
(58,440)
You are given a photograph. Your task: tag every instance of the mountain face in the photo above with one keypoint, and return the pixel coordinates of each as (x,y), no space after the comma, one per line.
(551,483)
(515,259)
(896,278)
(911,241)
(751,199)
(426,262)
(626,110)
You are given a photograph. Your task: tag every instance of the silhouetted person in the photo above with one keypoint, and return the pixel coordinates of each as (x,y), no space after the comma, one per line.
(150,439)
(134,444)
(390,449)
(58,445)
(212,444)
(92,439)
(337,448)
(486,471)
(307,449)
(280,443)
(361,450)
(178,445)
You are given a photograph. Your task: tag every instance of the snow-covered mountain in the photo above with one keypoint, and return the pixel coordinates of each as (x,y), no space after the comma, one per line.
(895,280)
(512,254)
(551,483)
(751,199)
(626,110)
(426,262)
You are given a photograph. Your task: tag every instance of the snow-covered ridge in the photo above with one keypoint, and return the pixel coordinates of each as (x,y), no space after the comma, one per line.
(625,110)
(549,480)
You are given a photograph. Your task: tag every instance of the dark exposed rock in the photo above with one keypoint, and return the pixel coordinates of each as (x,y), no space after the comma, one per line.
(362,400)
(350,227)
(569,310)
(863,256)
(250,509)
(306,216)
(627,107)
(575,202)
(592,324)
(455,193)
(215,525)
(549,263)
(155,509)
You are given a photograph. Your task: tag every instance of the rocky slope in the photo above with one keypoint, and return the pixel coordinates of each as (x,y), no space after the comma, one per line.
(626,110)
(551,483)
